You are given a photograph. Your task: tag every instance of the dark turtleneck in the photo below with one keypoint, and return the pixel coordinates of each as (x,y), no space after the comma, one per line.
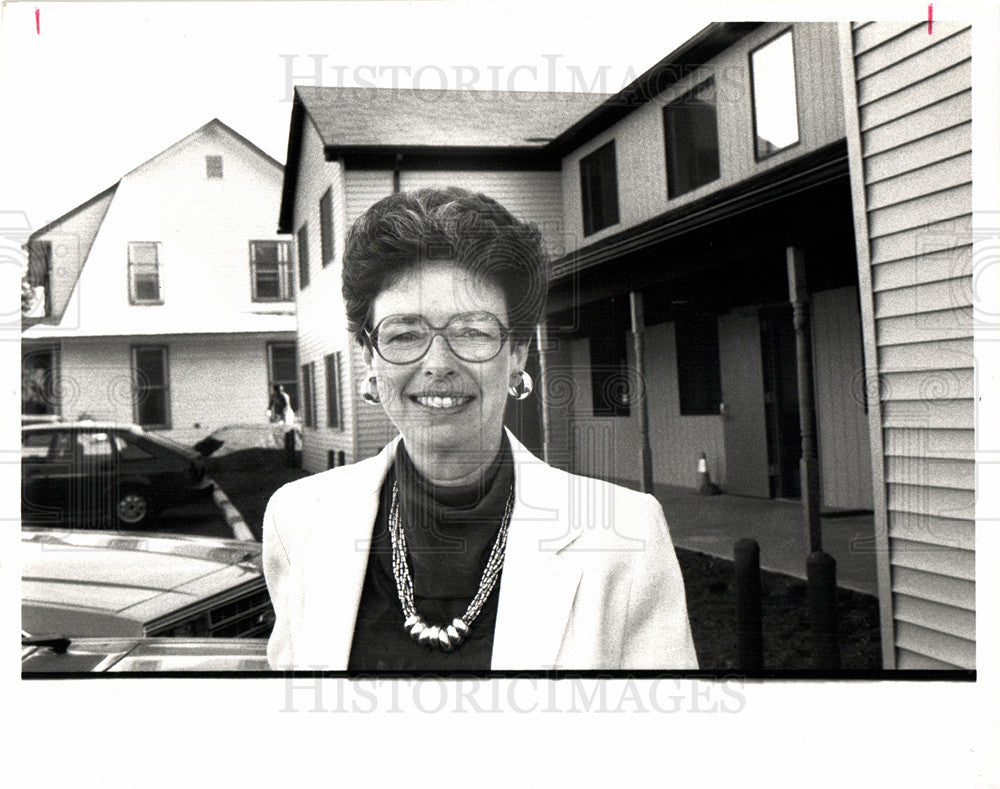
(450,531)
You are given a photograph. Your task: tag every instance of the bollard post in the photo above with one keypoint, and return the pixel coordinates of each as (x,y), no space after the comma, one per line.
(821,570)
(749,630)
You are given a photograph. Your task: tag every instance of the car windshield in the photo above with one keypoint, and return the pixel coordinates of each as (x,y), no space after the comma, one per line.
(169,443)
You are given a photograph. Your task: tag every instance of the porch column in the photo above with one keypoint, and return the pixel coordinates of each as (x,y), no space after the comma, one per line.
(542,341)
(808,466)
(638,397)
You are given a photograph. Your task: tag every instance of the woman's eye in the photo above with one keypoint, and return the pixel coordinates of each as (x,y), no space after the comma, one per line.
(407,336)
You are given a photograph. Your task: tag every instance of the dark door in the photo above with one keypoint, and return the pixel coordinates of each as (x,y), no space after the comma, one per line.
(781,400)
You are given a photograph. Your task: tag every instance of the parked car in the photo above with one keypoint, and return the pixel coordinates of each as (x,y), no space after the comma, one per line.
(79,584)
(104,473)
(114,655)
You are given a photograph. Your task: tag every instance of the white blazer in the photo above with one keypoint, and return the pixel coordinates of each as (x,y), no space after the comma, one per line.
(590,579)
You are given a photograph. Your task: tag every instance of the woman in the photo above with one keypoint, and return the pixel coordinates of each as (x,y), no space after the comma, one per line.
(456,549)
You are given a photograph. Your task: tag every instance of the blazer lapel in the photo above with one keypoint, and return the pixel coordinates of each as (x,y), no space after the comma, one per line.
(340,556)
(538,585)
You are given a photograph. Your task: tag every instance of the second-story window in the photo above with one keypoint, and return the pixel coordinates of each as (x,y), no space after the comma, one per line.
(213,167)
(270,273)
(599,189)
(691,131)
(326,226)
(144,272)
(775,109)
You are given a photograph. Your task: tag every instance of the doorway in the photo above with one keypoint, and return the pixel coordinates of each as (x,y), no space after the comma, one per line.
(781,400)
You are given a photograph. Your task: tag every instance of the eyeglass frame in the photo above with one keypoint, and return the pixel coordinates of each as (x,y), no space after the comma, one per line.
(437,331)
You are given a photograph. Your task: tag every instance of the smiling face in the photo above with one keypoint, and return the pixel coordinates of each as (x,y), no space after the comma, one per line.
(443,406)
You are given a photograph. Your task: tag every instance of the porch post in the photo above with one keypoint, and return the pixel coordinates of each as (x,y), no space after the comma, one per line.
(638,397)
(542,341)
(808,467)
(821,569)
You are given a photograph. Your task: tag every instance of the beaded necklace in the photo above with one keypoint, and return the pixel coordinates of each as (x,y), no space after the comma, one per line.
(449,637)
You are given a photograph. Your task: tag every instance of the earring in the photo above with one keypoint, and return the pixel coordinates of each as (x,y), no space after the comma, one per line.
(369,391)
(522,386)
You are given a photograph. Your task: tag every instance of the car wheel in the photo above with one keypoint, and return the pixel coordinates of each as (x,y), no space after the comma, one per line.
(132,507)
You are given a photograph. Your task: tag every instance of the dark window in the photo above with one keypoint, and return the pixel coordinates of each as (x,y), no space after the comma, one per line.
(599,189)
(144,272)
(775,109)
(39,266)
(281,370)
(303,239)
(326,225)
(150,386)
(308,391)
(691,133)
(698,378)
(333,417)
(270,271)
(35,445)
(213,166)
(609,379)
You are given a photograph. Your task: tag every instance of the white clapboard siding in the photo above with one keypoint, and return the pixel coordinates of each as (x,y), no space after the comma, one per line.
(927,443)
(934,530)
(944,264)
(912,178)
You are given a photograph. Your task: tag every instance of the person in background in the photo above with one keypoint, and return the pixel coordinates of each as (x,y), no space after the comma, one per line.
(455,548)
(281,415)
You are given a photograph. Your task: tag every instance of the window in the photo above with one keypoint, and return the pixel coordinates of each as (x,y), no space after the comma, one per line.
(150,386)
(698,378)
(692,138)
(308,392)
(599,189)
(326,226)
(281,370)
(35,446)
(35,304)
(333,417)
(609,377)
(213,167)
(303,239)
(270,273)
(144,272)
(775,110)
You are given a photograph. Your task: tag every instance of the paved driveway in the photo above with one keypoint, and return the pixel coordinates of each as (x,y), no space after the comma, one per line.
(711,524)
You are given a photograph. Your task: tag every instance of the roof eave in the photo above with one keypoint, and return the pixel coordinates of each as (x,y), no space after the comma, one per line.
(693,53)
(290,181)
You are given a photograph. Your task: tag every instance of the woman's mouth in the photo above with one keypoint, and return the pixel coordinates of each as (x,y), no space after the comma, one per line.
(442,403)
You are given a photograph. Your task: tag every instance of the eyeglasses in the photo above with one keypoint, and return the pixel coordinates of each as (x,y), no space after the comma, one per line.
(471,336)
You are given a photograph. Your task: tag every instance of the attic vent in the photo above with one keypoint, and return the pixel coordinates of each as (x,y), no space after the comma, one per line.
(213,166)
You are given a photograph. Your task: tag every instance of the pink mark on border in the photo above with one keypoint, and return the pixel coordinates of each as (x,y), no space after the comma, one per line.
(930,19)
(38,26)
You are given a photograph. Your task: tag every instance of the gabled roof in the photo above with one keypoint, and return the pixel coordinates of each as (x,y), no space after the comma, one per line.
(395,118)
(215,123)
(372,127)
(219,125)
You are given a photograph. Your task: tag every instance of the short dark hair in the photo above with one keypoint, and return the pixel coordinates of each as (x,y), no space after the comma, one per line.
(471,229)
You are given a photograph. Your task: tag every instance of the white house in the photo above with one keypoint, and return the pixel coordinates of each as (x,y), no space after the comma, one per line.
(170,296)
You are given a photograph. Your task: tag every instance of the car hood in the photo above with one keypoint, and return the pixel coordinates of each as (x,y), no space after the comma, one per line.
(84,583)
(148,654)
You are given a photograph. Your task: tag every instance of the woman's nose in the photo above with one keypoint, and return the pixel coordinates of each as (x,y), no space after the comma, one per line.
(439,358)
